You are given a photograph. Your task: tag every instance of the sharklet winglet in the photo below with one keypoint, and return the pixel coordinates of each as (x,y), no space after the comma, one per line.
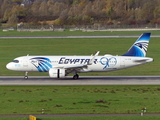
(91,61)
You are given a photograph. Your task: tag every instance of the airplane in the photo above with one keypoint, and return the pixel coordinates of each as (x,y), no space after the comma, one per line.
(61,66)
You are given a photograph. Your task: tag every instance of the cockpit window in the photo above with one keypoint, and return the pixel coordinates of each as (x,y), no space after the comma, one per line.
(15,61)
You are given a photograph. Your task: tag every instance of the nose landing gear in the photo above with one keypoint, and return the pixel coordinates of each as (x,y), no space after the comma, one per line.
(26,76)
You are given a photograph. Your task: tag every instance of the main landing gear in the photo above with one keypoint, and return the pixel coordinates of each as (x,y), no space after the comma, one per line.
(26,76)
(76,76)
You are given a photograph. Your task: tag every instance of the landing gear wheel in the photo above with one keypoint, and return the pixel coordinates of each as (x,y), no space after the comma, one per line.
(76,76)
(26,76)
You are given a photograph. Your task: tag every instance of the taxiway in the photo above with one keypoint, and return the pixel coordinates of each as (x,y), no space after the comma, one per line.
(83,80)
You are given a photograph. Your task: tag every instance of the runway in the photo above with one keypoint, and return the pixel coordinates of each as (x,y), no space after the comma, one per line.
(76,36)
(83,80)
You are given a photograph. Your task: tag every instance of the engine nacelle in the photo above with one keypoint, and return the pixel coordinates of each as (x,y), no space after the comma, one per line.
(57,73)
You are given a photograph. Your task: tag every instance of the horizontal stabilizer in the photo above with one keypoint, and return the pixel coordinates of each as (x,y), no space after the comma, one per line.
(146,60)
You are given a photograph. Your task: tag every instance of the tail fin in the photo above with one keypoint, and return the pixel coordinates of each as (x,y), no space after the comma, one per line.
(139,48)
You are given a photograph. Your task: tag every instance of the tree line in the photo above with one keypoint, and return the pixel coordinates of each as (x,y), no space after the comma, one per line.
(81,12)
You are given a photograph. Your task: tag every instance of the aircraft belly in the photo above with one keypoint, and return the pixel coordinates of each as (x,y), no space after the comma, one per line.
(100,68)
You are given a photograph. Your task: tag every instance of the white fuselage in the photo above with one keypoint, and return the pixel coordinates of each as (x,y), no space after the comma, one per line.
(100,63)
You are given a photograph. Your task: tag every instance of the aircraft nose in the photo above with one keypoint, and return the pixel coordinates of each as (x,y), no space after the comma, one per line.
(9,66)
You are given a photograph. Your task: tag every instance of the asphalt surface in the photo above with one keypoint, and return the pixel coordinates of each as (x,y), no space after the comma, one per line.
(77,36)
(83,80)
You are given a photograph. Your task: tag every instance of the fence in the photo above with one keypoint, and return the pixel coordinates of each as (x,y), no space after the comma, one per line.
(23,27)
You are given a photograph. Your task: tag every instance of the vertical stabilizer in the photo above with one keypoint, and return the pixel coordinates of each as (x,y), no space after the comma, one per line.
(139,48)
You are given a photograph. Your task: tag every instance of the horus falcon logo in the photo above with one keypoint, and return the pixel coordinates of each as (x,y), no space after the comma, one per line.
(142,45)
(41,63)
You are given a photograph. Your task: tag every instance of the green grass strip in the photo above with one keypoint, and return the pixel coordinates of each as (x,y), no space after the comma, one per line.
(92,118)
(78,99)
(79,32)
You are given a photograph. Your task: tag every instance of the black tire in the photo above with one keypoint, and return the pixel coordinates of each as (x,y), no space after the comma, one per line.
(76,76)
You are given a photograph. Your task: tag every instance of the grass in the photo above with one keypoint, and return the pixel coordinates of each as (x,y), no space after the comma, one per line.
(12,48)
(106,118)
(93,118)
(78,99)
(67,32)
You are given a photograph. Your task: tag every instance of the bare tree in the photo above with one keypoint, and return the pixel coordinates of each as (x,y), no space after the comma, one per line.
(5,4)
(43,9)
(12,19)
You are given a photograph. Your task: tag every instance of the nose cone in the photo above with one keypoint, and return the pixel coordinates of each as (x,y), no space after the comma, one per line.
(9,66)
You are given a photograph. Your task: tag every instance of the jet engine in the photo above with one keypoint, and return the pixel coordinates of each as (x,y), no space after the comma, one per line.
(57,73)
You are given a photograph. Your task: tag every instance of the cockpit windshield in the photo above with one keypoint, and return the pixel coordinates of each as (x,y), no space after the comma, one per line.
(15,61)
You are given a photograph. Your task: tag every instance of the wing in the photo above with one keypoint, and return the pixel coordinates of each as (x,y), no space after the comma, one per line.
(72,68)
